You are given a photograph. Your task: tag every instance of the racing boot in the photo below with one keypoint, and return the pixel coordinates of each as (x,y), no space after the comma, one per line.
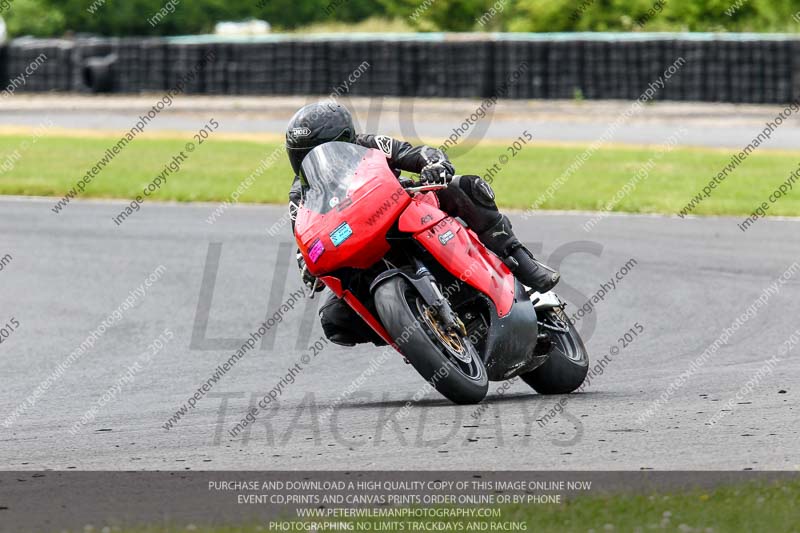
(501,240)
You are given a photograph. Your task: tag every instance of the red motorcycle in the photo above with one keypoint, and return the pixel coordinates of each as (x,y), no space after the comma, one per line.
(425,283)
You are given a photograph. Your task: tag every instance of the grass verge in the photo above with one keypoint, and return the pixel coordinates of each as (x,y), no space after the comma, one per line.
(52,165)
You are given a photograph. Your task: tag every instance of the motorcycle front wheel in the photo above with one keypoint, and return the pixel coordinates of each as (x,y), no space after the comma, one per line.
(446,360)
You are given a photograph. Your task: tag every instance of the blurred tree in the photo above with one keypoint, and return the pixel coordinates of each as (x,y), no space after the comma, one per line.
(33,17)
(130,17)
(434,15)
(658,15)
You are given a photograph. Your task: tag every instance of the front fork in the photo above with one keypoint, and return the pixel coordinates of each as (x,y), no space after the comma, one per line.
(433,297)
(425,284)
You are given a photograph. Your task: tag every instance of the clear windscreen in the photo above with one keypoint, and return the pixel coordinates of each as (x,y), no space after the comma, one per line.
(330,170)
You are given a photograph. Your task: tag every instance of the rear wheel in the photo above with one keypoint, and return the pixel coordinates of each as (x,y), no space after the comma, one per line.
(568,363)
(446,360)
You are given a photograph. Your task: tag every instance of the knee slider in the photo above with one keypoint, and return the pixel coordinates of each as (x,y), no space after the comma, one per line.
(478,190)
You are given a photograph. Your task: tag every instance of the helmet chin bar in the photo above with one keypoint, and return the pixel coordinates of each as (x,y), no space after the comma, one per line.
(296,156)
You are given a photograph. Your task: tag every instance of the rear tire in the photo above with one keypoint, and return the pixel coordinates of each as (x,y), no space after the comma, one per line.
(568,364)
(402,313)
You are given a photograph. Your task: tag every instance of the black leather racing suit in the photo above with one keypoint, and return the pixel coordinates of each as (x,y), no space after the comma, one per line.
(467,197)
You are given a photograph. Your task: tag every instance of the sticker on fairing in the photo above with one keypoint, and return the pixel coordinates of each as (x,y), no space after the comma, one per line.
(341,234)
(316,250)
(445,237)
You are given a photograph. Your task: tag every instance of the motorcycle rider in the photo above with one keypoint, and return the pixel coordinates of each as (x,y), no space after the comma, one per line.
(468,197)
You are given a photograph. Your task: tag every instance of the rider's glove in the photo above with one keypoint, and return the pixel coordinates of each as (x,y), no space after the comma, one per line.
(308,279)
(438,172)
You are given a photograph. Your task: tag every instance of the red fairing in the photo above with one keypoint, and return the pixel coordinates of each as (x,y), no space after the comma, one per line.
(421,214)
(334,284)
(461,253)
(364,313)
(373,202)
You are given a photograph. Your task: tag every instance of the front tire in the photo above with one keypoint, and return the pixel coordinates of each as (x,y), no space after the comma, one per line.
(448,362)
(568,364)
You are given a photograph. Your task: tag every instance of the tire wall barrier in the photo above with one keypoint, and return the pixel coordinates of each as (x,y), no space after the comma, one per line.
(751,70)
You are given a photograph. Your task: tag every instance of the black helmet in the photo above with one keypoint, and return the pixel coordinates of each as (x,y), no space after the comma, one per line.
(316,124)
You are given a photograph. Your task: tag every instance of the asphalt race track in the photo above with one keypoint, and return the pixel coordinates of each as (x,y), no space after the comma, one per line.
(690,279)
(432,120)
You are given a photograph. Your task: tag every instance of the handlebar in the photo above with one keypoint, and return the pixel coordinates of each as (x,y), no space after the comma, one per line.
(423,188)
(416,187)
